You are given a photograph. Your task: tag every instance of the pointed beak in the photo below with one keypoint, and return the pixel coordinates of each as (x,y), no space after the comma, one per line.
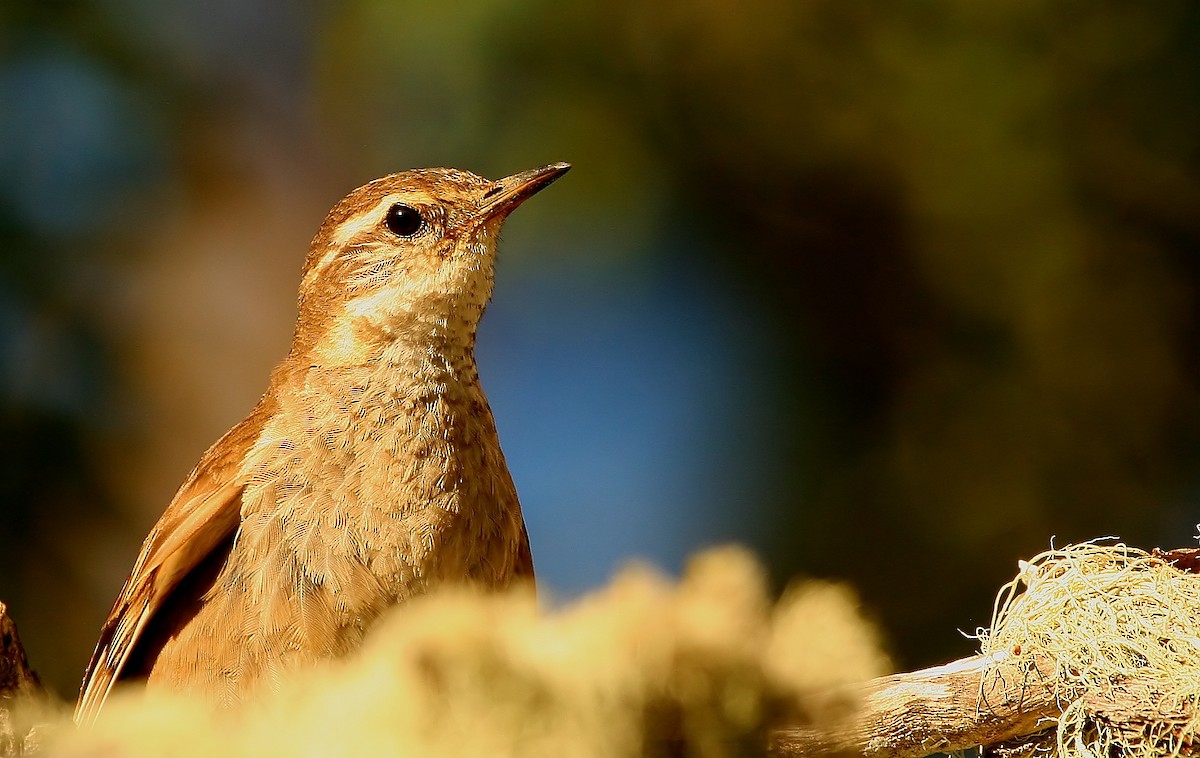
(506,194)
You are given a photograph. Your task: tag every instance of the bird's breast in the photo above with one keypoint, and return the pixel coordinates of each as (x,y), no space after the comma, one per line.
(376,490)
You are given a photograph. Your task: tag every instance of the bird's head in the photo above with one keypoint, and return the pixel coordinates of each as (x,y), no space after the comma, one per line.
(407,257)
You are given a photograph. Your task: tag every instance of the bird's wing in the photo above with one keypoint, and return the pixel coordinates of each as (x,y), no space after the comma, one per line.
(523,569)
(203,514)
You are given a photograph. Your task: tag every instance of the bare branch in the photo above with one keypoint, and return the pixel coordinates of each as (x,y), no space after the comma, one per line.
(973,701)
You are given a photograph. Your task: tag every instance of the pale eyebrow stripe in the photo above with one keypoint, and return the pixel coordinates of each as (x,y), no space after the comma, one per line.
(349,229)
(356,225)
(353,226)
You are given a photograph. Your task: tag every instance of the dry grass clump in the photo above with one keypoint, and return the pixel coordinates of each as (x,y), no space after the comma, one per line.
(1122,629)
(642,667)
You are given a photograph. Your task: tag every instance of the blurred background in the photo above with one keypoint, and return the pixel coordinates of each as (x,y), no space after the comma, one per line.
(891,293)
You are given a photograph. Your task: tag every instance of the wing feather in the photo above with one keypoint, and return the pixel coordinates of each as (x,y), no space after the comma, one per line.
(204,513)
(523,568)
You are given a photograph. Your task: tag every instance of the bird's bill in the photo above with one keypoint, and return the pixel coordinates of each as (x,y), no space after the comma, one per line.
(507,193)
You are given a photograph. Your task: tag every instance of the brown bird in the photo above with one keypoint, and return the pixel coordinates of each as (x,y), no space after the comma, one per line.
(369,472)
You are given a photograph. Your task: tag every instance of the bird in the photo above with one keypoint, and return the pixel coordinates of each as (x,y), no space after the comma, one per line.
(369,472)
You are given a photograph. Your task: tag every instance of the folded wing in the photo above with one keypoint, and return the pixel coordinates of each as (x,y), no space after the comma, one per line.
(203,515)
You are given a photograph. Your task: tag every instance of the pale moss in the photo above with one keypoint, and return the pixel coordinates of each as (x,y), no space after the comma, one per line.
(1114,620)
(619,673)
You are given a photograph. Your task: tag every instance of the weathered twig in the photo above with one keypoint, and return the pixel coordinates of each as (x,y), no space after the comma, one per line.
(17,680)
(973,701)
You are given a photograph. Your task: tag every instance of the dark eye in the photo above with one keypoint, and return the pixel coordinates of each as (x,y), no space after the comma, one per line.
(403,220)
